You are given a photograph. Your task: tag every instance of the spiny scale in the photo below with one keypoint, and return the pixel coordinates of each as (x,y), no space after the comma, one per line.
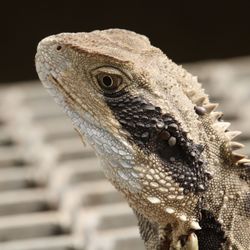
(216,115)
(235,145)
(211,107)
(232,134)
(238,157)
(223,127)
(200,101)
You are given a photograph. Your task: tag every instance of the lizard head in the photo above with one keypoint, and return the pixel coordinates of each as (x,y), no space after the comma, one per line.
(89,74)
(123,96)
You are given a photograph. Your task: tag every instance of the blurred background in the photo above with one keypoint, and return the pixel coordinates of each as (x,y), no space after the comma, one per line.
(53,195)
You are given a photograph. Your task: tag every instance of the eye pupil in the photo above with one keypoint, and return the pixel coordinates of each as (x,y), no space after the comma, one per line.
(59,47)
(107,81)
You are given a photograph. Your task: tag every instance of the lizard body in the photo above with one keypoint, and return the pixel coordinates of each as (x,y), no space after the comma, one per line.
(160,140)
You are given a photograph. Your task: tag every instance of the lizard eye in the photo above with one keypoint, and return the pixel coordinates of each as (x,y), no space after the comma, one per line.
(109,82)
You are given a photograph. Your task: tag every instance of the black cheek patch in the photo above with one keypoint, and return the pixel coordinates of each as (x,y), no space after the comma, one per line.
(159,133)
(211,236)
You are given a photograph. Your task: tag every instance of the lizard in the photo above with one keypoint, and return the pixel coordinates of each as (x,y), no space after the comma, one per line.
(160,141)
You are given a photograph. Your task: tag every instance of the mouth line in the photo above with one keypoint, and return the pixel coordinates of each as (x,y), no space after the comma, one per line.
(64,91)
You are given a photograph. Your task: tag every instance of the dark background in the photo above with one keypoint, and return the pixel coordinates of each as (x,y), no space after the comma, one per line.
(185,30)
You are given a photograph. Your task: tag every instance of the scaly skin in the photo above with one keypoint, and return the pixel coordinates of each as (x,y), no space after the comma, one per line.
(157,135)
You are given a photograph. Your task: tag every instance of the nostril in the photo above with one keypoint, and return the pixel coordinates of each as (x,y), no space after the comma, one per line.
(59,47)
